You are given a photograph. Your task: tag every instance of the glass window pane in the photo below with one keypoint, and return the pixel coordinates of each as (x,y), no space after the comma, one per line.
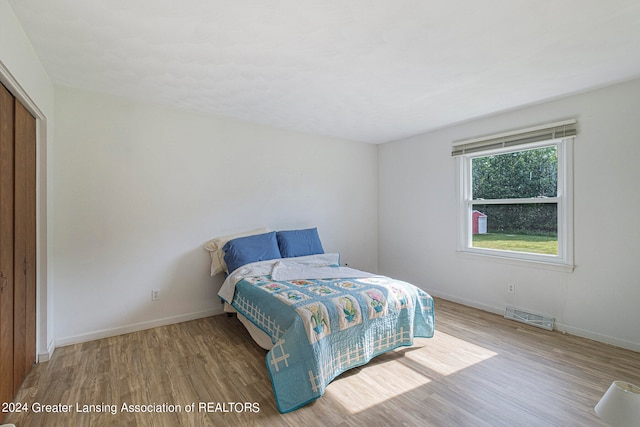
(521,174)
(531,228)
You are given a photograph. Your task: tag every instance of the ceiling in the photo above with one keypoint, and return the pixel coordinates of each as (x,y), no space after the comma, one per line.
(363,70)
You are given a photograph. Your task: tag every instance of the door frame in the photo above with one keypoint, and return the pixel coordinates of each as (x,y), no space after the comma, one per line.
(45,344)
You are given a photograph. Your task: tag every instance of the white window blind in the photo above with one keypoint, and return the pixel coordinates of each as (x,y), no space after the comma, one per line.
(545,132)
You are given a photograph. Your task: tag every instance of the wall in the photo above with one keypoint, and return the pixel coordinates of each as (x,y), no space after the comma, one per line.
(139,189)
(23,74)
(417,219)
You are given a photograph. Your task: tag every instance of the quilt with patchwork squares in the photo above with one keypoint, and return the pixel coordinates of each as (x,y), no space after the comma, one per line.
(323,327)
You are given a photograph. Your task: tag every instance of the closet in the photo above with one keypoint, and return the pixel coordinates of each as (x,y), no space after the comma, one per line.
(17,244)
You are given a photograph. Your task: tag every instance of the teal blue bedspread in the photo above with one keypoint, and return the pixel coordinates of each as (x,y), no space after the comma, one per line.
(323,327)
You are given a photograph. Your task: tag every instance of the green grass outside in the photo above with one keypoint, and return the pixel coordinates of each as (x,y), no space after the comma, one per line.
(517,242)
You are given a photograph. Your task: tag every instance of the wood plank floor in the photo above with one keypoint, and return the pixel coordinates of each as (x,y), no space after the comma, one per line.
(478,370)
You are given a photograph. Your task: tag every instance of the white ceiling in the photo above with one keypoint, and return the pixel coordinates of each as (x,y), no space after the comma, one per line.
(365,70)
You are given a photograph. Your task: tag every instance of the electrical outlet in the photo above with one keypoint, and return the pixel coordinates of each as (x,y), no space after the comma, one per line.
(511,288)
(155,295)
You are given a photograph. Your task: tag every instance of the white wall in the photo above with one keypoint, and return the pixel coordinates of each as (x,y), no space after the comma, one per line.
(417,219)
(139,189)
(23,74)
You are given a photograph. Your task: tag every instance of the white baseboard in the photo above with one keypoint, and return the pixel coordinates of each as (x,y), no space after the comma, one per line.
(468,302)
(106,333)
(45,357)
(597,337)
(558,326)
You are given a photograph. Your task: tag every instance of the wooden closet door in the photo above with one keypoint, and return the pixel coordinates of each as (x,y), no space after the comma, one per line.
(24,334)
(6,245)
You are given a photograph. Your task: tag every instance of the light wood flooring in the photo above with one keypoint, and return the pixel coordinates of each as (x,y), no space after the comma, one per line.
(478,370)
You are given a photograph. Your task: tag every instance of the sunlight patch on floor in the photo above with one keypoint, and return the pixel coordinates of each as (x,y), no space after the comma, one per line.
(378,383)
(450,355)
(375,384)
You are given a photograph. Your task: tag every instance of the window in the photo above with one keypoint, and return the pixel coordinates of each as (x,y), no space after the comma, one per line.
(515,195)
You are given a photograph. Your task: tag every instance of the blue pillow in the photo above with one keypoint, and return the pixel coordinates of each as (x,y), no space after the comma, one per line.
(245,250)
(293,243)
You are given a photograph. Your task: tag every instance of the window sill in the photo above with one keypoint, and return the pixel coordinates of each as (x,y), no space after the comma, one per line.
(554,266)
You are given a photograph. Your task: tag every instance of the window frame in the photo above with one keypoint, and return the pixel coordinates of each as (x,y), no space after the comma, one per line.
(563,261)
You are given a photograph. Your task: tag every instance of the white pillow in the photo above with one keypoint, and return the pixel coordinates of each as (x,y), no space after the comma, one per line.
(215,246)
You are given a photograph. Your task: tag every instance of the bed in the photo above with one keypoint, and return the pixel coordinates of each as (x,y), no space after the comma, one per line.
(316,317)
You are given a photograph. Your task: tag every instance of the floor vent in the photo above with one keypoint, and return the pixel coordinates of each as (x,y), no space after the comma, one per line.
(540,320)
